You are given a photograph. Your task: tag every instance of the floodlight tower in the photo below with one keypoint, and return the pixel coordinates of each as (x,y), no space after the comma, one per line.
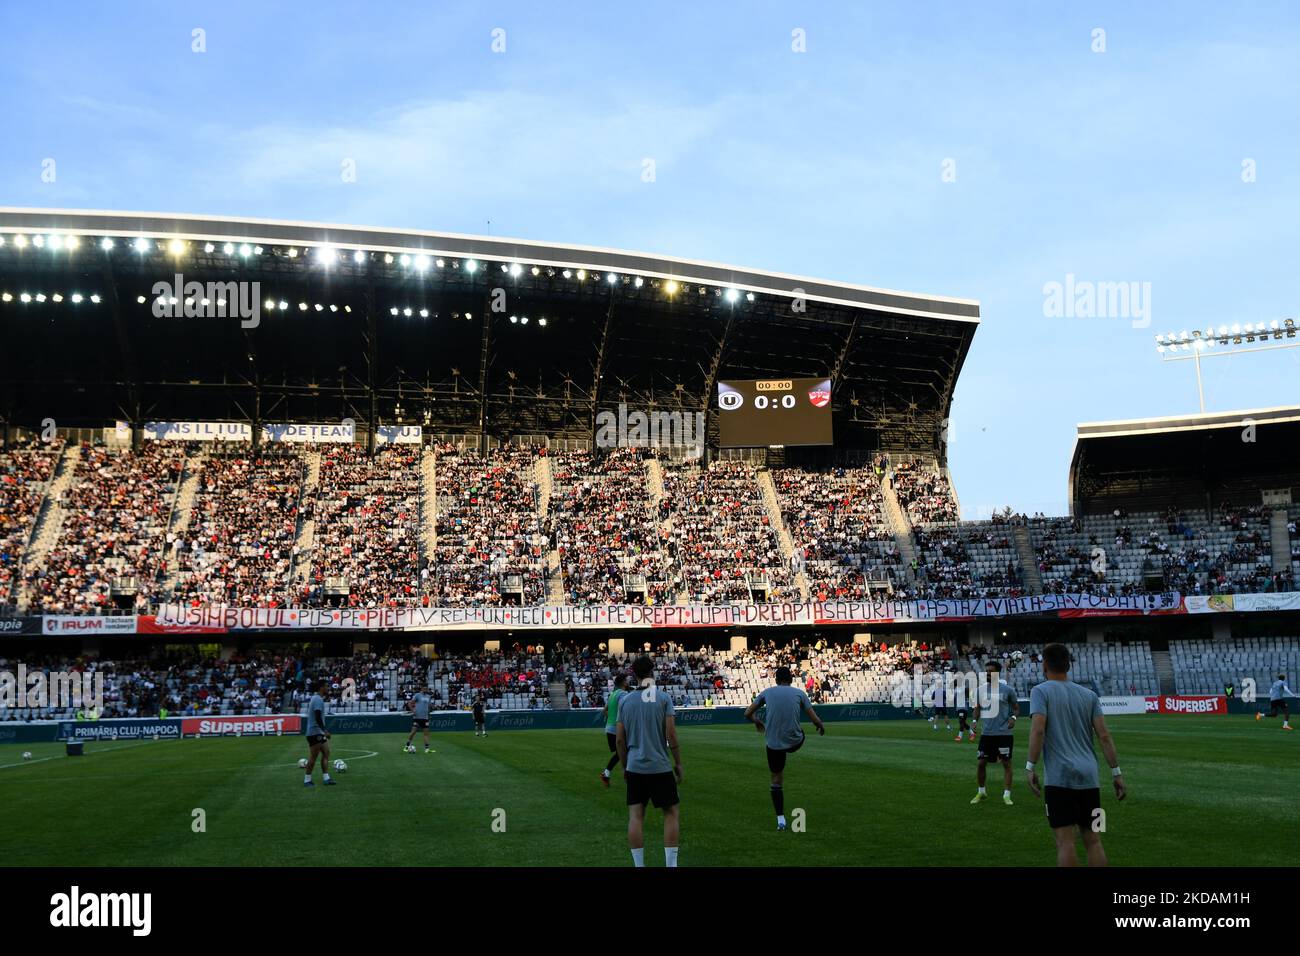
(1234,339)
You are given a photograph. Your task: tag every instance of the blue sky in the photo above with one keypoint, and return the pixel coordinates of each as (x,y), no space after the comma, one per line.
(1115,166)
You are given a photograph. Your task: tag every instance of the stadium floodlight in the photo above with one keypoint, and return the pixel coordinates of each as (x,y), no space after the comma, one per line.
(523,320)
(208,247)
(421,263)
(71,242)
(106,244)
(2,242)
(319,307)
(284,306)
(25,297)
(347,309)
(76,298)
(671,287)
(293,253)
(257,250)
(38,242)
(408,312)
(20,241)
(326,255)
(228,248)
(514,320)
(56,242)
(515,269)
(40,297)
(393,310)
(536,271)
(388,258)
(471,266)
(57,297)
(140,300)
(359,257)
(270,305)
(638,282)
(611,278)
(731,295)
(176,247)
(542,321)
(439,263)
(245,250)
(469,316)
(6,297)
(405,261)
(424,313)
(1225,340)
(302,306)
(567,274)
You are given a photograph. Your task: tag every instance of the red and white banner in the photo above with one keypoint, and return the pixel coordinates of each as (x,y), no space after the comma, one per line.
(176,617)
(1124,705)
(268,725)
(1176,704)
(88,624)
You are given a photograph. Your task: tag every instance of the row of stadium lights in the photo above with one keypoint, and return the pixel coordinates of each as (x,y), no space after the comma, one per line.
(27,297)
(328,256)
(1225,334)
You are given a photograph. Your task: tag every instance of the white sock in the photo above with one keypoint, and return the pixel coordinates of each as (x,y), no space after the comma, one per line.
(670,856)
(982,792)
(325,777)
(638,857)
(306,778)
(780,818)
(1006,793)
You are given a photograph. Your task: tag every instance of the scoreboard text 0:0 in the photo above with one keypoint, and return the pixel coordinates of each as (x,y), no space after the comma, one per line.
(783,411)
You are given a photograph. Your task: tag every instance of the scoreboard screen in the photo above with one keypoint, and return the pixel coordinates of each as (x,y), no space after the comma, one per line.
(774,411)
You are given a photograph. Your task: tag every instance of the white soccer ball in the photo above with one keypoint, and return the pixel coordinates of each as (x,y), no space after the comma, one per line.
(27,755)
(1017,656)
(302,763)
(340,766)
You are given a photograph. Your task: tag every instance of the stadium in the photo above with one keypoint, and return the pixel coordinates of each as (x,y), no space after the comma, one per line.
(242,458)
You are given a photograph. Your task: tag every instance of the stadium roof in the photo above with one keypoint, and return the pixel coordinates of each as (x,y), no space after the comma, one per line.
(654,331)
(1196,460)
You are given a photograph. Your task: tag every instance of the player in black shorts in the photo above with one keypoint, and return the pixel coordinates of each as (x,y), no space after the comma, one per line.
(963,727)
(480,718)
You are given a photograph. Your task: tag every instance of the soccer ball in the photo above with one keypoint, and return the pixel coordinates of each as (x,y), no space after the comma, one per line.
(302,764)
(1017,657)
(340,766)
(27,755)
(409,748)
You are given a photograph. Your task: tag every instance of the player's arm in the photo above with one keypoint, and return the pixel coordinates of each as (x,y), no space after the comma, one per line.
(1036,731)
(752,709)
(812,715)
(1112,758)
(620,743)
(670,734)
(320,722)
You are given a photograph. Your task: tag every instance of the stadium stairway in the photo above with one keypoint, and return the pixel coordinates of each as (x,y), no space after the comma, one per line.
(773,508)
(182,511)
(45,530)
(429,502)
(1164,671)
(559,700)
(545,478)
(1280,539)
(654,471)
(900,525)
(305,539)
(1028,559)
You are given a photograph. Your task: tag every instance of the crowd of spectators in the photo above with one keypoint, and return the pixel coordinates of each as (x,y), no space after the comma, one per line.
(367,514)
(25,472)
(966,561)
(238,547)
(488,527)
(837,523)
(721,536)
(923,492)
(115,519)
(605,529)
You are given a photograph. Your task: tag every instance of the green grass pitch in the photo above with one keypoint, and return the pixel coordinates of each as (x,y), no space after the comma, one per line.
(1203,791)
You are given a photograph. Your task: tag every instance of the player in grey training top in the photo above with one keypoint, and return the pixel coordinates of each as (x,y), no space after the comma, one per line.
(318,738)
(1065,716)
(1277,695)
(645,734)
(782,733)
(419,706)
(997,734)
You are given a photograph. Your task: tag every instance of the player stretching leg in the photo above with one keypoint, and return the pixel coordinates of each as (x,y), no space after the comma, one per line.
(1065,715)
(647,732)
(782,733)
(611,725)
(318,738)
(997,737)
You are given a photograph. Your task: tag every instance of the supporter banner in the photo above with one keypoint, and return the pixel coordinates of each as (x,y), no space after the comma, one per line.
(399,435)
(173,617)
(124,729)
(88,624)
(1123,705)
(245,726)
(343,432)
(1173,704)
(197,431)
